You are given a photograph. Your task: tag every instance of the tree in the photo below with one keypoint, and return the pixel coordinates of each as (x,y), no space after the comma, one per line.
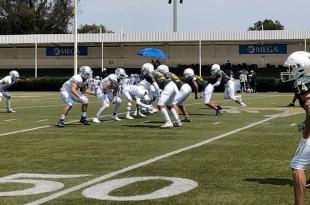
(267,24)
(35,16)
(86,28)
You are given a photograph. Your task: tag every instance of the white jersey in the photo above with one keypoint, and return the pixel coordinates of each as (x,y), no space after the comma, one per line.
(76,79)
(106,79)
(136,91)
(6,82)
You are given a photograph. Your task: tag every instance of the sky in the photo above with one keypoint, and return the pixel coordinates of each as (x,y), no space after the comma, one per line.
(193,15)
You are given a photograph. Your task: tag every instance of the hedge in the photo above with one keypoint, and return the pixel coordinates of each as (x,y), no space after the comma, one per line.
(264,84)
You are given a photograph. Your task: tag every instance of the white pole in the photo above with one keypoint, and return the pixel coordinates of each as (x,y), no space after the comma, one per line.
(101,39)
(36,60)
(305,45)
(75,38)
(200,58)
(175,16)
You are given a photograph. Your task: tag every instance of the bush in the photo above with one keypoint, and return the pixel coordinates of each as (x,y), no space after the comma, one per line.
(39,84)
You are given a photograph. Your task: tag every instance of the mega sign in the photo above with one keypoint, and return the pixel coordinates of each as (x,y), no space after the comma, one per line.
(263,49)
(66,51)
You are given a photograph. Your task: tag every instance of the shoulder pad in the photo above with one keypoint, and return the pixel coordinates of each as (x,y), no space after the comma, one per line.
(302,85)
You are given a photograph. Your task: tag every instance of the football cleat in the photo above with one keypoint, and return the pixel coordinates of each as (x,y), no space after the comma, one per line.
(61,123)
(219,112)
(291,105)
(178,123)
(167,125)
(10,111)
(84,121)
(243,105)
(128,117)
(96,120)
(187,119)
(115,118)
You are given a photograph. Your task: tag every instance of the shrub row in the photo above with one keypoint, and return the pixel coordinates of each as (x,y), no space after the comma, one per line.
(264,84)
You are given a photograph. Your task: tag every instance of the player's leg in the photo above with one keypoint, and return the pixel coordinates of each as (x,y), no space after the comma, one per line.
(163,98)
(180,98)
(68,106)
(230,93)
(173,91)
(105,103)
(8,101)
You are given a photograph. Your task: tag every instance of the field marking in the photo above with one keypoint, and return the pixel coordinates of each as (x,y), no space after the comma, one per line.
(43,120)
(9,120)
(155,159)
(216,123)
(293,124)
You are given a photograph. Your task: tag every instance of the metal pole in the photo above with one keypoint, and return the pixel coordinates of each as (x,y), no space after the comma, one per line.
(101,39)
(305,45)
(36,60)
(200,58)
(75,38)
(175,16)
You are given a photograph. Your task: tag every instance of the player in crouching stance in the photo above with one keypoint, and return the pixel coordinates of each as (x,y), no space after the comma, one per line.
(197,83)
(184,91)
(167,95)
(5,83)
(70,93)
(222,78)
(107,93)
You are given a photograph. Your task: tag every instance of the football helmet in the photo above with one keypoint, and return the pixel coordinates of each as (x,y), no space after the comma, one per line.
(86,72)
(120,73)
(188,72)
(97,77)
(14,74)
(298,64)
(163,69)
(215,68)
(147,67)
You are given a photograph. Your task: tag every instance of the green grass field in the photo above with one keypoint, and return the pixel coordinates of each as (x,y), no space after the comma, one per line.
(242,157)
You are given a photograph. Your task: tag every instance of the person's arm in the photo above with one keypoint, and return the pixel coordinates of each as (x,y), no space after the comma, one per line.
(106,86)
(195,88)
(157,90)
(306,99)
(218,82)
(74,90)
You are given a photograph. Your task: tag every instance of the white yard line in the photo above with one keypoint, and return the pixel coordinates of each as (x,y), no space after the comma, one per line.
(216,123)
(44,120)
(9,120)
(293,124)
(147,162)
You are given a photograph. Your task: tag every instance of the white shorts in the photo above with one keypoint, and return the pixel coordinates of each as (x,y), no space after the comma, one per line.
(5,94)
(184,92)
(207,93)
(70,99)
(301,159)
(230,89)
(168,94)
(106,99)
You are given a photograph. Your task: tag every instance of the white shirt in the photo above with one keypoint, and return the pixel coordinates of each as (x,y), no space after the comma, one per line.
(6,82)
(242,78)
(77,79)
(105,80)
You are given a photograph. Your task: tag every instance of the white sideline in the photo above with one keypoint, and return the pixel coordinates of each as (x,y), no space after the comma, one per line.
(141,164)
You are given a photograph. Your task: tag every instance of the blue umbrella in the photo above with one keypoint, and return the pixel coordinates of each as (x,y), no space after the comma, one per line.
(152,52)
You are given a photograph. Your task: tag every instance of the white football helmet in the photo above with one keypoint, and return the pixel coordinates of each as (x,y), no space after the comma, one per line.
(298,64)
(163,69)
(215,68)
(188,72)
(120,73)
(147,67)
(86,72)
(97,77)
(14,74)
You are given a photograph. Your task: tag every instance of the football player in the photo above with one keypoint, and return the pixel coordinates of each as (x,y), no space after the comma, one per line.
(197,83)
(71,93)
(107,93)
(299,67)
(5,83)
(184,91)
(223,79)
(167,95)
